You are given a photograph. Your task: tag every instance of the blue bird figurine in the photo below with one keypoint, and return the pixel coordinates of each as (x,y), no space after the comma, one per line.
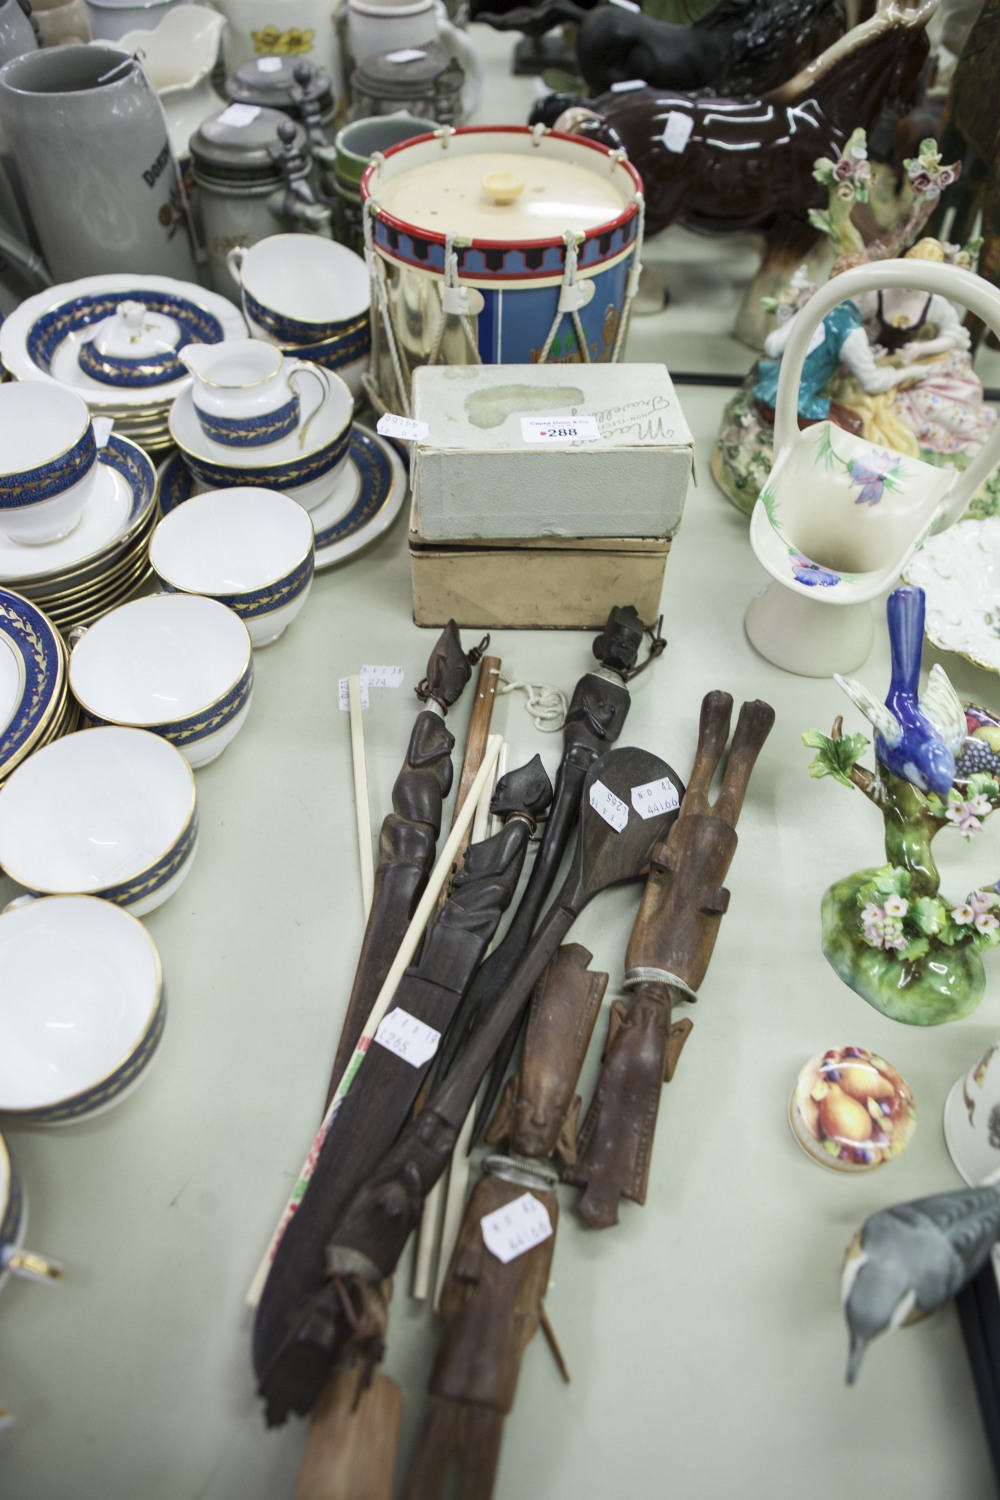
(916,739)
(908,1260)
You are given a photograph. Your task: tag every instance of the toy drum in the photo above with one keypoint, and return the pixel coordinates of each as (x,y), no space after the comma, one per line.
(498,245)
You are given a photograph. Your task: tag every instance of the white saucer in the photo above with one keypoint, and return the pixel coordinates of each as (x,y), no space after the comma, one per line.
(65,370)
(116,503)
(366,497)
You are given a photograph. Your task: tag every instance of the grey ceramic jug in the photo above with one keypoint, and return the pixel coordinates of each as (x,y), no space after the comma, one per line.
(89,136)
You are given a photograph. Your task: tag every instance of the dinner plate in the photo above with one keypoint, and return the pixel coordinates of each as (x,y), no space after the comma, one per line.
(32,676)
(366,498)
(122,499)
(40,338)
(959,572)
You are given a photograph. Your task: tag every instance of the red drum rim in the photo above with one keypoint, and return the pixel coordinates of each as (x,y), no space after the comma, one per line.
(435,236)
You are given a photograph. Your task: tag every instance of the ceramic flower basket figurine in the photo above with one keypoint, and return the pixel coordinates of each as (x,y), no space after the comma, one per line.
(900,374)
(912,953)
(839,516)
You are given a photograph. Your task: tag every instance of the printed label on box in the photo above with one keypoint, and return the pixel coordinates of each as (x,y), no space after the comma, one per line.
(559,429)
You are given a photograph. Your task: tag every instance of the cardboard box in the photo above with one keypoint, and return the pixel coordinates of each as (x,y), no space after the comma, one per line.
(542,583)
(490,469)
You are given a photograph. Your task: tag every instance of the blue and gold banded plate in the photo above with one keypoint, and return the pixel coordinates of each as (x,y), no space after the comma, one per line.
(366,498)
(32,677)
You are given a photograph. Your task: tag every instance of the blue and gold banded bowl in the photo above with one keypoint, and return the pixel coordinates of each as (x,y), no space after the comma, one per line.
(180,649)
(82,1007)
(107,812)
(252,549)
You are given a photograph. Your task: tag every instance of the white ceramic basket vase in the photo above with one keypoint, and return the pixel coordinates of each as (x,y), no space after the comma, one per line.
(839,517)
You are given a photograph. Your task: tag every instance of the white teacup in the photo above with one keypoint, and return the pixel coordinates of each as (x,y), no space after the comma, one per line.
(300,288)
(243,393)
(48,460)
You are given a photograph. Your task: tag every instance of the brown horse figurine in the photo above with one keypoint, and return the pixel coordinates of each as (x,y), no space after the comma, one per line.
(726,166)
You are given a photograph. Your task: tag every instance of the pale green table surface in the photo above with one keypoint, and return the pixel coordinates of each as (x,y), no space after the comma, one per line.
(704,1335)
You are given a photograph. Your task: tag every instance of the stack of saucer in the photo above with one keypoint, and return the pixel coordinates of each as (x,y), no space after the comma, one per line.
(35,702)
(105,558)
(114,339)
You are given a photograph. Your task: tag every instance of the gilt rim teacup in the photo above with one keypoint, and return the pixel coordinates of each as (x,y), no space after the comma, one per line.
(49,460)
(252,549)
(183,649)
(96,1013)
(300,288)
(109,812)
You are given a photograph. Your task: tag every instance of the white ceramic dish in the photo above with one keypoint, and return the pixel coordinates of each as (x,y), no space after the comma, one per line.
(251,549)
(178,664)
(365,500)
(98,296)
(959,572)
(120,502)
(81,1007)
(304,471)
(104,812)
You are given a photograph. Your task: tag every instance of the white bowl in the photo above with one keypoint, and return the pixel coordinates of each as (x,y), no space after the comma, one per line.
(250,549)
(102,812)
(300,288)
(179,664)
(81,1007)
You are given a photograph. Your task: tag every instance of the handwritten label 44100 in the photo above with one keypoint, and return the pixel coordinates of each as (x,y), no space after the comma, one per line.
(412,1040)
(516,1228)
(655,798)
(559,430)
(611,808)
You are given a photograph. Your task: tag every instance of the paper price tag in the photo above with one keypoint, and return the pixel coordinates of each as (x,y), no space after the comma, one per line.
(407,428)
(381,677)
(344,695)
(677,131)
(627,84)
(626,4)
(611,808)
(655,798)
(405,54)
(102,430)
(819,334)
(238,115)
(516,1228)
(412,1040)
(269,65)
(559,429)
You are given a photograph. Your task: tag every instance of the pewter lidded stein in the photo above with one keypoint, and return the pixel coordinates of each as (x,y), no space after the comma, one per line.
(89,136)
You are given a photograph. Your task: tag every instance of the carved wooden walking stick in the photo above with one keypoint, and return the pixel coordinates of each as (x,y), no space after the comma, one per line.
(490,1308)
(372,1113)
(331,1314)
(665,962)
(595,718)
(408,834)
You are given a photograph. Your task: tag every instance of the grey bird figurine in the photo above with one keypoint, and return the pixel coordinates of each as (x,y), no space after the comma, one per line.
(906,1261)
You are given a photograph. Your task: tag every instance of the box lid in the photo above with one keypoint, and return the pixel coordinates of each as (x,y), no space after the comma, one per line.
(479,408)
